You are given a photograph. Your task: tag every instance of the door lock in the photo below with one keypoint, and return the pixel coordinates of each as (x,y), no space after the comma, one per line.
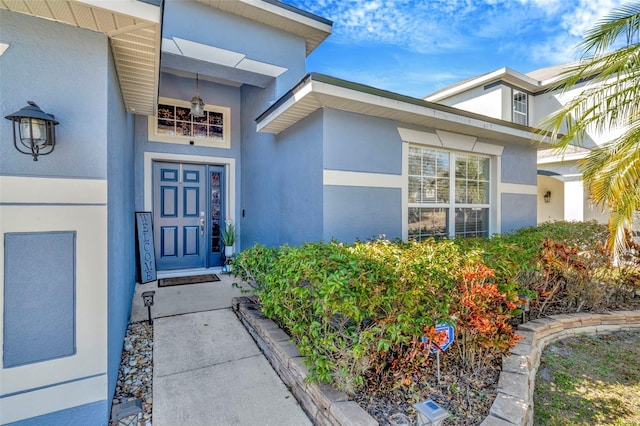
(201,226)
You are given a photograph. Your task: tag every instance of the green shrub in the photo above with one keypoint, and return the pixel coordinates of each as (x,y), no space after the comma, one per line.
(358,311)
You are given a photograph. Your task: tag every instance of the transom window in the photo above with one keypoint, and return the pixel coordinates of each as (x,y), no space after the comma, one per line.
(175,124)
(177,120)
(449,194)
(520,115)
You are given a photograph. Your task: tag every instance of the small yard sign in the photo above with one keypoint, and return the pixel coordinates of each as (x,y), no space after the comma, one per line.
(450,336)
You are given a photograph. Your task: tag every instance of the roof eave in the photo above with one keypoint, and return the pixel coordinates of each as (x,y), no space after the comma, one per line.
(314,29)
(318,91)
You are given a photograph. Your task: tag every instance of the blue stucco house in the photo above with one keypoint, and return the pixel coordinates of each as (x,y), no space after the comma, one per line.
(286,155)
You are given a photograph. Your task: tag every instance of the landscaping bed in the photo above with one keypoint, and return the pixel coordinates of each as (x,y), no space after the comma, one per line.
(364,315)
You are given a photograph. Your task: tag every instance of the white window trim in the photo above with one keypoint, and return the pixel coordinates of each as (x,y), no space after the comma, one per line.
(515,112)
(153,135)
(452,205)
(454,142)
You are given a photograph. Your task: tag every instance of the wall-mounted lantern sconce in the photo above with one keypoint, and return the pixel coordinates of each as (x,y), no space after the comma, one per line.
(547,197)
(147,298)
(36,132)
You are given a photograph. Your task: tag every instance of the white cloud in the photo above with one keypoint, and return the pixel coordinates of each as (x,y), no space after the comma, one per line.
(440,25)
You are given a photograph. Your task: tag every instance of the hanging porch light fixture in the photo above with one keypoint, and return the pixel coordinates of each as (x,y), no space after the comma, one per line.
(197,104)
(35,130)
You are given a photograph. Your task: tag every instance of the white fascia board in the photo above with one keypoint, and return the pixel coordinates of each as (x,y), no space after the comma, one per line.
(560,158)
(504,73)
(301,93)
(276,10)
(391,104)
(134,8)
(260,67)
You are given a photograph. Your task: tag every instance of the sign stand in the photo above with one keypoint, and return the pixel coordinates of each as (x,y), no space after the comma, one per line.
(450,338)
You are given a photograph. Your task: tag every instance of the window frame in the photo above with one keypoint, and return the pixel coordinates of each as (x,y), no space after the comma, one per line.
(452,206)
(514,107)
(225,142)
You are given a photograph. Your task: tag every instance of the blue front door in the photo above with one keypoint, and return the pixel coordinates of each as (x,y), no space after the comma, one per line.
(180,213)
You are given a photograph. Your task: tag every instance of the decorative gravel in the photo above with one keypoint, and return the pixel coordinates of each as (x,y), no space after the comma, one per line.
(135,375)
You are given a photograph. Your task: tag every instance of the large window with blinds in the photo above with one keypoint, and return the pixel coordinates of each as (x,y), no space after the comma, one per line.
(449,194)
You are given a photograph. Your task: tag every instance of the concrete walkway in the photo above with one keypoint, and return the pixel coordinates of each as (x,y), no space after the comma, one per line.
(207,370)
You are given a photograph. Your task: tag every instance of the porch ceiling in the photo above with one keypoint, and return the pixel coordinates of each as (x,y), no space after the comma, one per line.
(133,28)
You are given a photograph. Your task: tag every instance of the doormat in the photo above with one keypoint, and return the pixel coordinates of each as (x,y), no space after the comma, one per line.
(194,279)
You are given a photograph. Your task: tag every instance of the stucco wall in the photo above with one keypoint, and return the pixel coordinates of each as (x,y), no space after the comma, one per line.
(518,211)
(488,102)
(519,164)
(230,32)
(63,69)
(360,143)
(120,167)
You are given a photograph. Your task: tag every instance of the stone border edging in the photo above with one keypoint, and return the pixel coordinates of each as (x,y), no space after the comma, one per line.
(323,403)
(514,402)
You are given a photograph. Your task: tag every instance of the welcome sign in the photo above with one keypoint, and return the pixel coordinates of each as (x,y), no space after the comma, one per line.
(144,248)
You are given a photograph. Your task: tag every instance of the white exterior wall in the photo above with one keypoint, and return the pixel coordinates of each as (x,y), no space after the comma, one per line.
(554,210)
(487,102)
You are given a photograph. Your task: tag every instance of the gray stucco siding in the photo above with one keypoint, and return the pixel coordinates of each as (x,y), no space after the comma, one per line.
(120,225)
(297,165)
(363,213)
(257,41)
(519,165)
(64,70)
(356,142)
(518,211)
(39,297)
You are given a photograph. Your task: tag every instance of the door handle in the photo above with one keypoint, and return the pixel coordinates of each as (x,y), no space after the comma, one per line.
(201,226)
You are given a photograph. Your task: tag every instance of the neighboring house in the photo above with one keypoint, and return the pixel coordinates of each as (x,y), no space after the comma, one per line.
(288,156)
(526,99)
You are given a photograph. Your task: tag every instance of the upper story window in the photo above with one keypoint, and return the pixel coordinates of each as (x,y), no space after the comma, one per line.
(520,108)
(449,194)
(174,124)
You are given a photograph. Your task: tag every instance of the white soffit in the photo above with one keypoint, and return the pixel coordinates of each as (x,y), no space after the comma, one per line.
(260,67)
(206,53)
(3,48)
(170,46)
(133,28)
(219,56)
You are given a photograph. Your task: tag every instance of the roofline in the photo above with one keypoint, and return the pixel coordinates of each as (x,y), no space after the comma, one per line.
(299,11)
(313,28)
(300,90)
(504,74)
(323,78)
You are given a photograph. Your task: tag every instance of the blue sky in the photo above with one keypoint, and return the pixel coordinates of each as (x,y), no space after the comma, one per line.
(416,47)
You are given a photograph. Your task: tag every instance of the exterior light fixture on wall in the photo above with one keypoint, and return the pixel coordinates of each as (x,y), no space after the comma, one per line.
(547,197)
(36,132)
(197,104)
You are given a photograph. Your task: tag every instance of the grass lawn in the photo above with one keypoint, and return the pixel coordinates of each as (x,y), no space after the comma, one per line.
(589,381)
